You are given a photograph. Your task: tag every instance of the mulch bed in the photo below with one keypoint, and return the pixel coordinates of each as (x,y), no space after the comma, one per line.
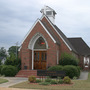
(54,84)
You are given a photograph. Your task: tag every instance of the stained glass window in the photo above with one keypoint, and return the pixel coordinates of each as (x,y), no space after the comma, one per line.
(40,44)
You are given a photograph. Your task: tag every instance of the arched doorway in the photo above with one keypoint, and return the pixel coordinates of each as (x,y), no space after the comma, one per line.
(40,54)
(39,46)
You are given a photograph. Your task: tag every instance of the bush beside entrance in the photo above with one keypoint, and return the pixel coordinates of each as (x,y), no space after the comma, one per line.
(55,68)
(71,71)
(69,64)
(68,59)
(8,70)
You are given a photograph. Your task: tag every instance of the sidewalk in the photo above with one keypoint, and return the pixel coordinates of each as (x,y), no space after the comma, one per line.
(83,75)
(13,81)
(2,88)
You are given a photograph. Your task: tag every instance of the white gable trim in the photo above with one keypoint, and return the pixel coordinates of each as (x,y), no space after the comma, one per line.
(34,39)
(29,31)
(57,32)
(47,32)
(32,29)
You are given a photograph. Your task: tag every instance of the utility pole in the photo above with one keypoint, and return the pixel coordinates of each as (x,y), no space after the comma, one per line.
(16,48)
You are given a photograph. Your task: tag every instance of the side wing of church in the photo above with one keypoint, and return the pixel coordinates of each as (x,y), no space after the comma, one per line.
(44,44)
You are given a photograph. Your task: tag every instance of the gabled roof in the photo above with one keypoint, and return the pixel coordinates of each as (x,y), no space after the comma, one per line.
(65,38)
(45,28)
(80,46)
(50,31)
(60,33)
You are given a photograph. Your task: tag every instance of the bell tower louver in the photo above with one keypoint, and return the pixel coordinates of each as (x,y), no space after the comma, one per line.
(49,12)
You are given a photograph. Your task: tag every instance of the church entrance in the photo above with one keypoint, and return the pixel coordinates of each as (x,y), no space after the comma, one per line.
(40,58)
(40,54)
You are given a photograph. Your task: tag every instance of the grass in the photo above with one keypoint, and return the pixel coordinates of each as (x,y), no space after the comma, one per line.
(3,80)
(77,85)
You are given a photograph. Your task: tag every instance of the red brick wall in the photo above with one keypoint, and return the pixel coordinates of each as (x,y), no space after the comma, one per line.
(26,54)
(81,63)
(63,47)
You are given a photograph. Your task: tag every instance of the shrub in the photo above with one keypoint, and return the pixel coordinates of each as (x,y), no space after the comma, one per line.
(32,79)
(48,79)
(38,80)
(60,81)
(54,82)
(67,80)
(12,60)
(74,78)
(68,59)
(9,70)
(71,71)
(78,67)
(55,68)
(44,83)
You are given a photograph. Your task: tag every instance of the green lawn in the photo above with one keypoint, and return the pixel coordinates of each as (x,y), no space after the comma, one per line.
(3,80)
(77,85)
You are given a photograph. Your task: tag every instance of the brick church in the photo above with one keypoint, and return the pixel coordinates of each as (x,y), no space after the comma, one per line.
(44,44)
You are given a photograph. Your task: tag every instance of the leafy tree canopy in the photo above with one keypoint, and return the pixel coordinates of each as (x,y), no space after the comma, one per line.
(3,52)
(13,49)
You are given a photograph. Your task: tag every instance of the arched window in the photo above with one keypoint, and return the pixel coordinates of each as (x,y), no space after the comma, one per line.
(40,44)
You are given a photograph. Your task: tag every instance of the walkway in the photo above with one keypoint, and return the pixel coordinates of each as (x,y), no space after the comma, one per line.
(2,88)
(13,81)
(83,75)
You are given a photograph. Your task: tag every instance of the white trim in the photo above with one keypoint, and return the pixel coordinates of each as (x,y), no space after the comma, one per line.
(57,32)
(32,59)
(34,39)
(47,32)
(40,49)
(20,48)
(32,43)
(42,26)
(86,60)
(30,30)
(57,57)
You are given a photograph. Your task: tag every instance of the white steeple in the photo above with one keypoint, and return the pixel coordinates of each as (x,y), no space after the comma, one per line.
(49,12)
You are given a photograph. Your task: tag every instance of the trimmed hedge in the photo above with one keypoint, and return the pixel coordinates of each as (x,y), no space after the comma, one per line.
(79,68)
(55,68)
(71,71)
(9,70)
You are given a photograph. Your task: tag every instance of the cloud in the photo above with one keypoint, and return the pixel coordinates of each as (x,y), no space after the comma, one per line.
(17,17)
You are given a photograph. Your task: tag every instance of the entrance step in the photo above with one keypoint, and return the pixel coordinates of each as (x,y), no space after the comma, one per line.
(27,73)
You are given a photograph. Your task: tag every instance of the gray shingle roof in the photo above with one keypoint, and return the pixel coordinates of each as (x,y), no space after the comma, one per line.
(61,34)
(65,38)
(76,44)
(50,31)
(80,46)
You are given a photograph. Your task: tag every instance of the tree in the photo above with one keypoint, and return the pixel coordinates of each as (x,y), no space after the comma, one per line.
(0,62)
(14,50)
(12,60)
(3,52)
(68,59)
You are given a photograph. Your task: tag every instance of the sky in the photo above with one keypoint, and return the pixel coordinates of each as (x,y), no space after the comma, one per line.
(17,17)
